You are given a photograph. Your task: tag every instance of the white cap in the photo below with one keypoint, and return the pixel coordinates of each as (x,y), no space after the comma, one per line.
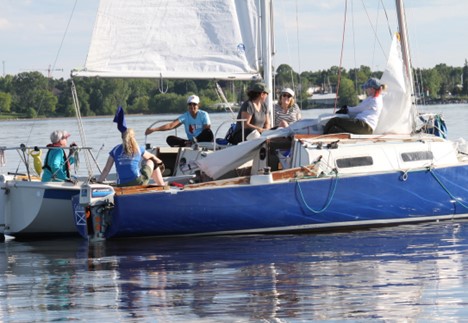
(193,99)
(287,90)
(58,135)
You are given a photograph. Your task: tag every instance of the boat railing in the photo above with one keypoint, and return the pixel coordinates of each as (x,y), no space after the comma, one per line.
(155,123)
(242,121)
(27,153)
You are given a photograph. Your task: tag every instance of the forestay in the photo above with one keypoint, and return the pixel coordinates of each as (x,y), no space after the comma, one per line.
(187,39)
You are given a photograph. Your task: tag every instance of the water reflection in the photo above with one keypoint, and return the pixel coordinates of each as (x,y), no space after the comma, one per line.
(406,272)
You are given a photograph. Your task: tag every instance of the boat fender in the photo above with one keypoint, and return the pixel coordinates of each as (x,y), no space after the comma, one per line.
(36,154)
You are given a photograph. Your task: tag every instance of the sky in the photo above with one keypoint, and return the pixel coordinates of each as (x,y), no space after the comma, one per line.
(54,35)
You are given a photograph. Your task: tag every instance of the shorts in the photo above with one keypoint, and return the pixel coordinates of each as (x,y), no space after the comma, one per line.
(143,179)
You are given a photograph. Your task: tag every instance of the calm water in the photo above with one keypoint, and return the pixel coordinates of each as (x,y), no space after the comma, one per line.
(404,273)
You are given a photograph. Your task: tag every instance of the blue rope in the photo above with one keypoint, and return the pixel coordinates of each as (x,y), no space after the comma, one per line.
(330,197)
(446,190)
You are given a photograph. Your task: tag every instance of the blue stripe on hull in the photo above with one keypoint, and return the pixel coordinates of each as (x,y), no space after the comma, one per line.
(60,193)
(362,198)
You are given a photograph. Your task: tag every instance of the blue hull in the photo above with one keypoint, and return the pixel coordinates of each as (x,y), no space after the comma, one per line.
(307,204)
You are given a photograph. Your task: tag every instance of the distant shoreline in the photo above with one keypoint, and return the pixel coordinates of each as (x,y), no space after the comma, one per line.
(429,102)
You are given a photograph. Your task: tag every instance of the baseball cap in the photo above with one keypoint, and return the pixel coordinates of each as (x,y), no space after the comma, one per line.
(372,83)
(58,135)
(193,99)
(259,88)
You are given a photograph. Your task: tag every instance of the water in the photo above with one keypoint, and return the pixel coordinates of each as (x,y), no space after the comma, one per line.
(412,273)
(102,135)
(405,273)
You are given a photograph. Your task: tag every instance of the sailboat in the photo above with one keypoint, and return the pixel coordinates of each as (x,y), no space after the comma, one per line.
(32,208)
(299,179)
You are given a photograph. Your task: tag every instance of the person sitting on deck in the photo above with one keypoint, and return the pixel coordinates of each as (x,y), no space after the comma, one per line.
(56,164)
(127,157)
(255,113)
(196,122)
(286,110)
(364,117)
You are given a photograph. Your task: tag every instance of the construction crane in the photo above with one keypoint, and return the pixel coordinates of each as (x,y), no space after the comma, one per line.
(49,70)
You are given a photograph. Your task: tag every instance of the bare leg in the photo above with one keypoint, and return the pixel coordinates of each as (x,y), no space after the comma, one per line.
(155,173)
(157,177)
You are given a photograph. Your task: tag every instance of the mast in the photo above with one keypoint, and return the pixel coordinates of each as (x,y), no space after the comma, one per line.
(404,43)
(267,26)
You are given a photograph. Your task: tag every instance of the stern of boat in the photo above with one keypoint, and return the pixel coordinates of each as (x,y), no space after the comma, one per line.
(32,207)
(91,209)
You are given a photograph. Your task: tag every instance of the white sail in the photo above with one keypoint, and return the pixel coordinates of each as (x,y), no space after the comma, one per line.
(202,39)
(398,112)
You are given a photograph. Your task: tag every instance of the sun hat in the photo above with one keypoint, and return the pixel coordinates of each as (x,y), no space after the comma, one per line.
(58,135)
(288,91)
(193,99)
(372,83)
(259,88)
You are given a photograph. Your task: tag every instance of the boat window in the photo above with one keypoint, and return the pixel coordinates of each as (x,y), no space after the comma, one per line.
(417,155)
(354,162)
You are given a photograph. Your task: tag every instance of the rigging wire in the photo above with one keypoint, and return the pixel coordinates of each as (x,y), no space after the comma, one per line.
(374,30)
(354,48)
(40,105)
(390,32)
(341,55)
(375,38)
(299,88)
(288,46)
(63,37)
(76,104)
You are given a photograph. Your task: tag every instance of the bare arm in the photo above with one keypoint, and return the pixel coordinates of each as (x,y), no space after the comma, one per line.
(149,156)
(106,170)
(168,126)
(267,124)
(247,117)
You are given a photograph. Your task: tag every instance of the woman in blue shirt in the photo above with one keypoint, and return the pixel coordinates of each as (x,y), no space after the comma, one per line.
(196,122)
(127,158)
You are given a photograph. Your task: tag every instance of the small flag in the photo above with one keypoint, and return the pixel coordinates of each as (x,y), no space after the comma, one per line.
(120,120)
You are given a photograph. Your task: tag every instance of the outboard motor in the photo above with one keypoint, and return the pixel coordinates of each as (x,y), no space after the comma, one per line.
(96,200)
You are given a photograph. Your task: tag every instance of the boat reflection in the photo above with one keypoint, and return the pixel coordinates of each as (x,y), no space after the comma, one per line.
(415,272)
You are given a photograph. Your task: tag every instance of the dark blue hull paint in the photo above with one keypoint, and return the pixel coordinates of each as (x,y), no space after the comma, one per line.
(60,194)
(384,197)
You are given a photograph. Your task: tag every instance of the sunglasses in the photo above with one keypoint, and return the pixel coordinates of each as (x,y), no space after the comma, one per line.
(287,96)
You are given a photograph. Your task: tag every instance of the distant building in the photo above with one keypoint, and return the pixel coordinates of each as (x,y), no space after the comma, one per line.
(321,100)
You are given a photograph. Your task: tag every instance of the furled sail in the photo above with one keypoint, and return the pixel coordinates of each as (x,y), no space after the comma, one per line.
(183,39)
(398,113)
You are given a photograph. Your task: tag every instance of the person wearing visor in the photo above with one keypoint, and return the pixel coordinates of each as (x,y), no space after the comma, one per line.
(56,163)
(286,110)
(364,117)
(196,122)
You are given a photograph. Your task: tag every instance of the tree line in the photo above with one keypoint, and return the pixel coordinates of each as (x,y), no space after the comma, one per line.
(31,95)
